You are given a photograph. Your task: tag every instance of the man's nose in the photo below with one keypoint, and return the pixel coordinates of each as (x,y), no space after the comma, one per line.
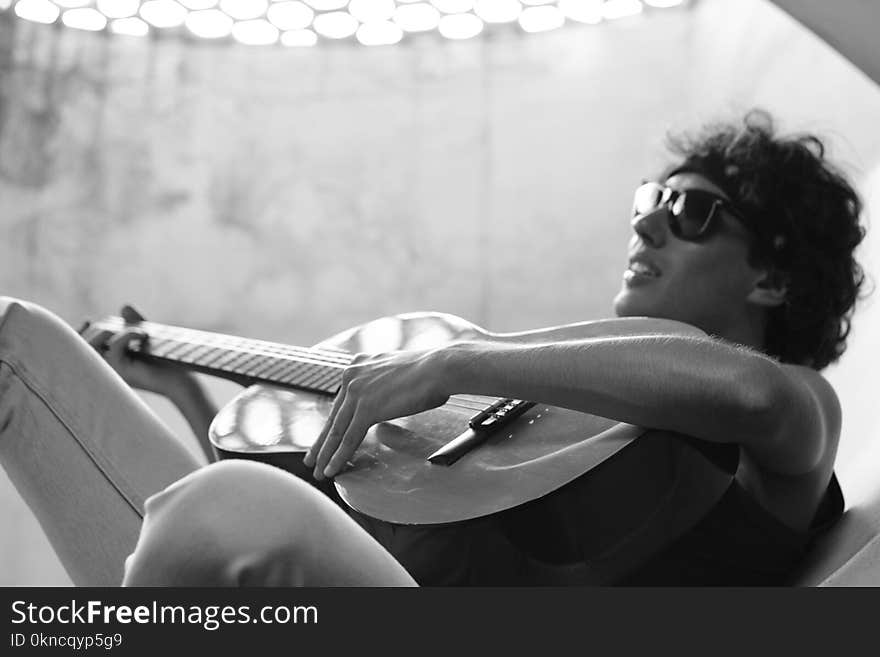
(651,227)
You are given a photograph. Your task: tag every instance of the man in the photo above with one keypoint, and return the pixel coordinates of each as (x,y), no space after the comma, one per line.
(749,237)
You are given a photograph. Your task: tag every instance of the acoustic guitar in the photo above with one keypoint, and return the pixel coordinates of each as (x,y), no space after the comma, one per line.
(660,483)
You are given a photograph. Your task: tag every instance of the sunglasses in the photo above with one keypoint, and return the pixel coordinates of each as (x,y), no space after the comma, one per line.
(690,213)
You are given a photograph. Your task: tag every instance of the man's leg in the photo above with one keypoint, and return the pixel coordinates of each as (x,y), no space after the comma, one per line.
(241,523)
(80,446)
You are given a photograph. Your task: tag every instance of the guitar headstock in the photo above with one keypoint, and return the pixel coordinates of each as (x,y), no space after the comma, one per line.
(128,317)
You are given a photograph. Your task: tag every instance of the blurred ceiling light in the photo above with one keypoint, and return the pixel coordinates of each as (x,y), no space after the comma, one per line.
(371,10)
(71,4)
(244,9)
(379,33)
(290,15)
(335,25)
(453,6)
(38,11)
(129,26)
(118,8)
(327,5)
(613,9)
(418,17)
(163,13)
(84,18)
(582,11)
(299,38)
(298,22)
(209,23)
(460,26)
(498,11)
(541,19)
(256,32)
(197,5)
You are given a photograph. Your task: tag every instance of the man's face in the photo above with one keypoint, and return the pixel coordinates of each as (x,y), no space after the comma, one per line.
(703,283)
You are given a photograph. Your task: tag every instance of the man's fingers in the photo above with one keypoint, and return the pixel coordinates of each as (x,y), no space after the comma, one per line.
(117,345)
(312,454)
(334,435)
(98,340)
(354,436)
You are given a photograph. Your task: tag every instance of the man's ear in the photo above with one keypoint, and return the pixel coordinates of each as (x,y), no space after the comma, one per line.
(770,289)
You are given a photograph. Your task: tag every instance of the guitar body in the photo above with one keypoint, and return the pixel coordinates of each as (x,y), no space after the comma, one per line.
(547,447)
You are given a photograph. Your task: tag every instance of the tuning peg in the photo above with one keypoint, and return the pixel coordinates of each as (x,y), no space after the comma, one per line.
(130,315)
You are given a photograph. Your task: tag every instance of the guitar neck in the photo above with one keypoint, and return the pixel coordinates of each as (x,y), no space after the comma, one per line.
(241,359)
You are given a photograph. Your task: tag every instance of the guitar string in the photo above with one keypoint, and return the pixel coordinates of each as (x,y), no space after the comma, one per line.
(289,353)
(247,345)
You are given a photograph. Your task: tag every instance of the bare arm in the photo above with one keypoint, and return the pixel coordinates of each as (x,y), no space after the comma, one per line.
(786,416)
(698,386)
(616,326)
(190,398)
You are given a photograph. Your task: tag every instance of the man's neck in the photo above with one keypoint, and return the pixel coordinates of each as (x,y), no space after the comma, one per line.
(749,330)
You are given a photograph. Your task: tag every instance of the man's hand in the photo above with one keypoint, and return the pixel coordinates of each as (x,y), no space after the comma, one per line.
(180,387)
(159,378)
(376,388)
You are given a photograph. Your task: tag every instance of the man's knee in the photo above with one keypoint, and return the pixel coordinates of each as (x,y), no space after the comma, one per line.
(216,525)
(24,326)
(11,306)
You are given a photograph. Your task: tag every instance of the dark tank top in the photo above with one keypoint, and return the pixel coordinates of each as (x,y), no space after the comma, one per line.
(547,542)
(738,543)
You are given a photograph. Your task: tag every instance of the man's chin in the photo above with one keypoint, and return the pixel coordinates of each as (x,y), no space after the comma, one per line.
(627,304)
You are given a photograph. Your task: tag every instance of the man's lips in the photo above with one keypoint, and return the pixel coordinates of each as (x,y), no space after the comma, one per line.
(643,267)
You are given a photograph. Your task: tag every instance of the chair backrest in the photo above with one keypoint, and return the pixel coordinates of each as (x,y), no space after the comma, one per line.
(849,554)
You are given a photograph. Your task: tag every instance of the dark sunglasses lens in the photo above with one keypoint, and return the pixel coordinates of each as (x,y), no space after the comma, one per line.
(691,212)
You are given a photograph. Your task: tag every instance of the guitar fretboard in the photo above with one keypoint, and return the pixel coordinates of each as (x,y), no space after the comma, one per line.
(316,370)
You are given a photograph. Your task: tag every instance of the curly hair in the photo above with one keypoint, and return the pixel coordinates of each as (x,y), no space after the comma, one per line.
(804,218)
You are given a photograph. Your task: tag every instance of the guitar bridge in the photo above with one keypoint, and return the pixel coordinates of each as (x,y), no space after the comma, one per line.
(480,426)
(498,414)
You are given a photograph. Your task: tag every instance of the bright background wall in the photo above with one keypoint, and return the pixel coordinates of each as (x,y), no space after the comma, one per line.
(290,194)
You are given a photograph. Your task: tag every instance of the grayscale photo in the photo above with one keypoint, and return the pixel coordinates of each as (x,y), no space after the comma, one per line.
(432,293)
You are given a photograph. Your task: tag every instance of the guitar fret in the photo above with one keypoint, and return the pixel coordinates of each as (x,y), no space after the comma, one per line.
(261,365)
(312,377)
(187,349)
(211,358)
(193,355)
(331,378)
(155,344)
(178,350)
(276,369)
(162,349)
(226,359)
(273,365)
(328,376)
(304,369)
(235,359)
(289,378)
(239,364)
(285,373)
